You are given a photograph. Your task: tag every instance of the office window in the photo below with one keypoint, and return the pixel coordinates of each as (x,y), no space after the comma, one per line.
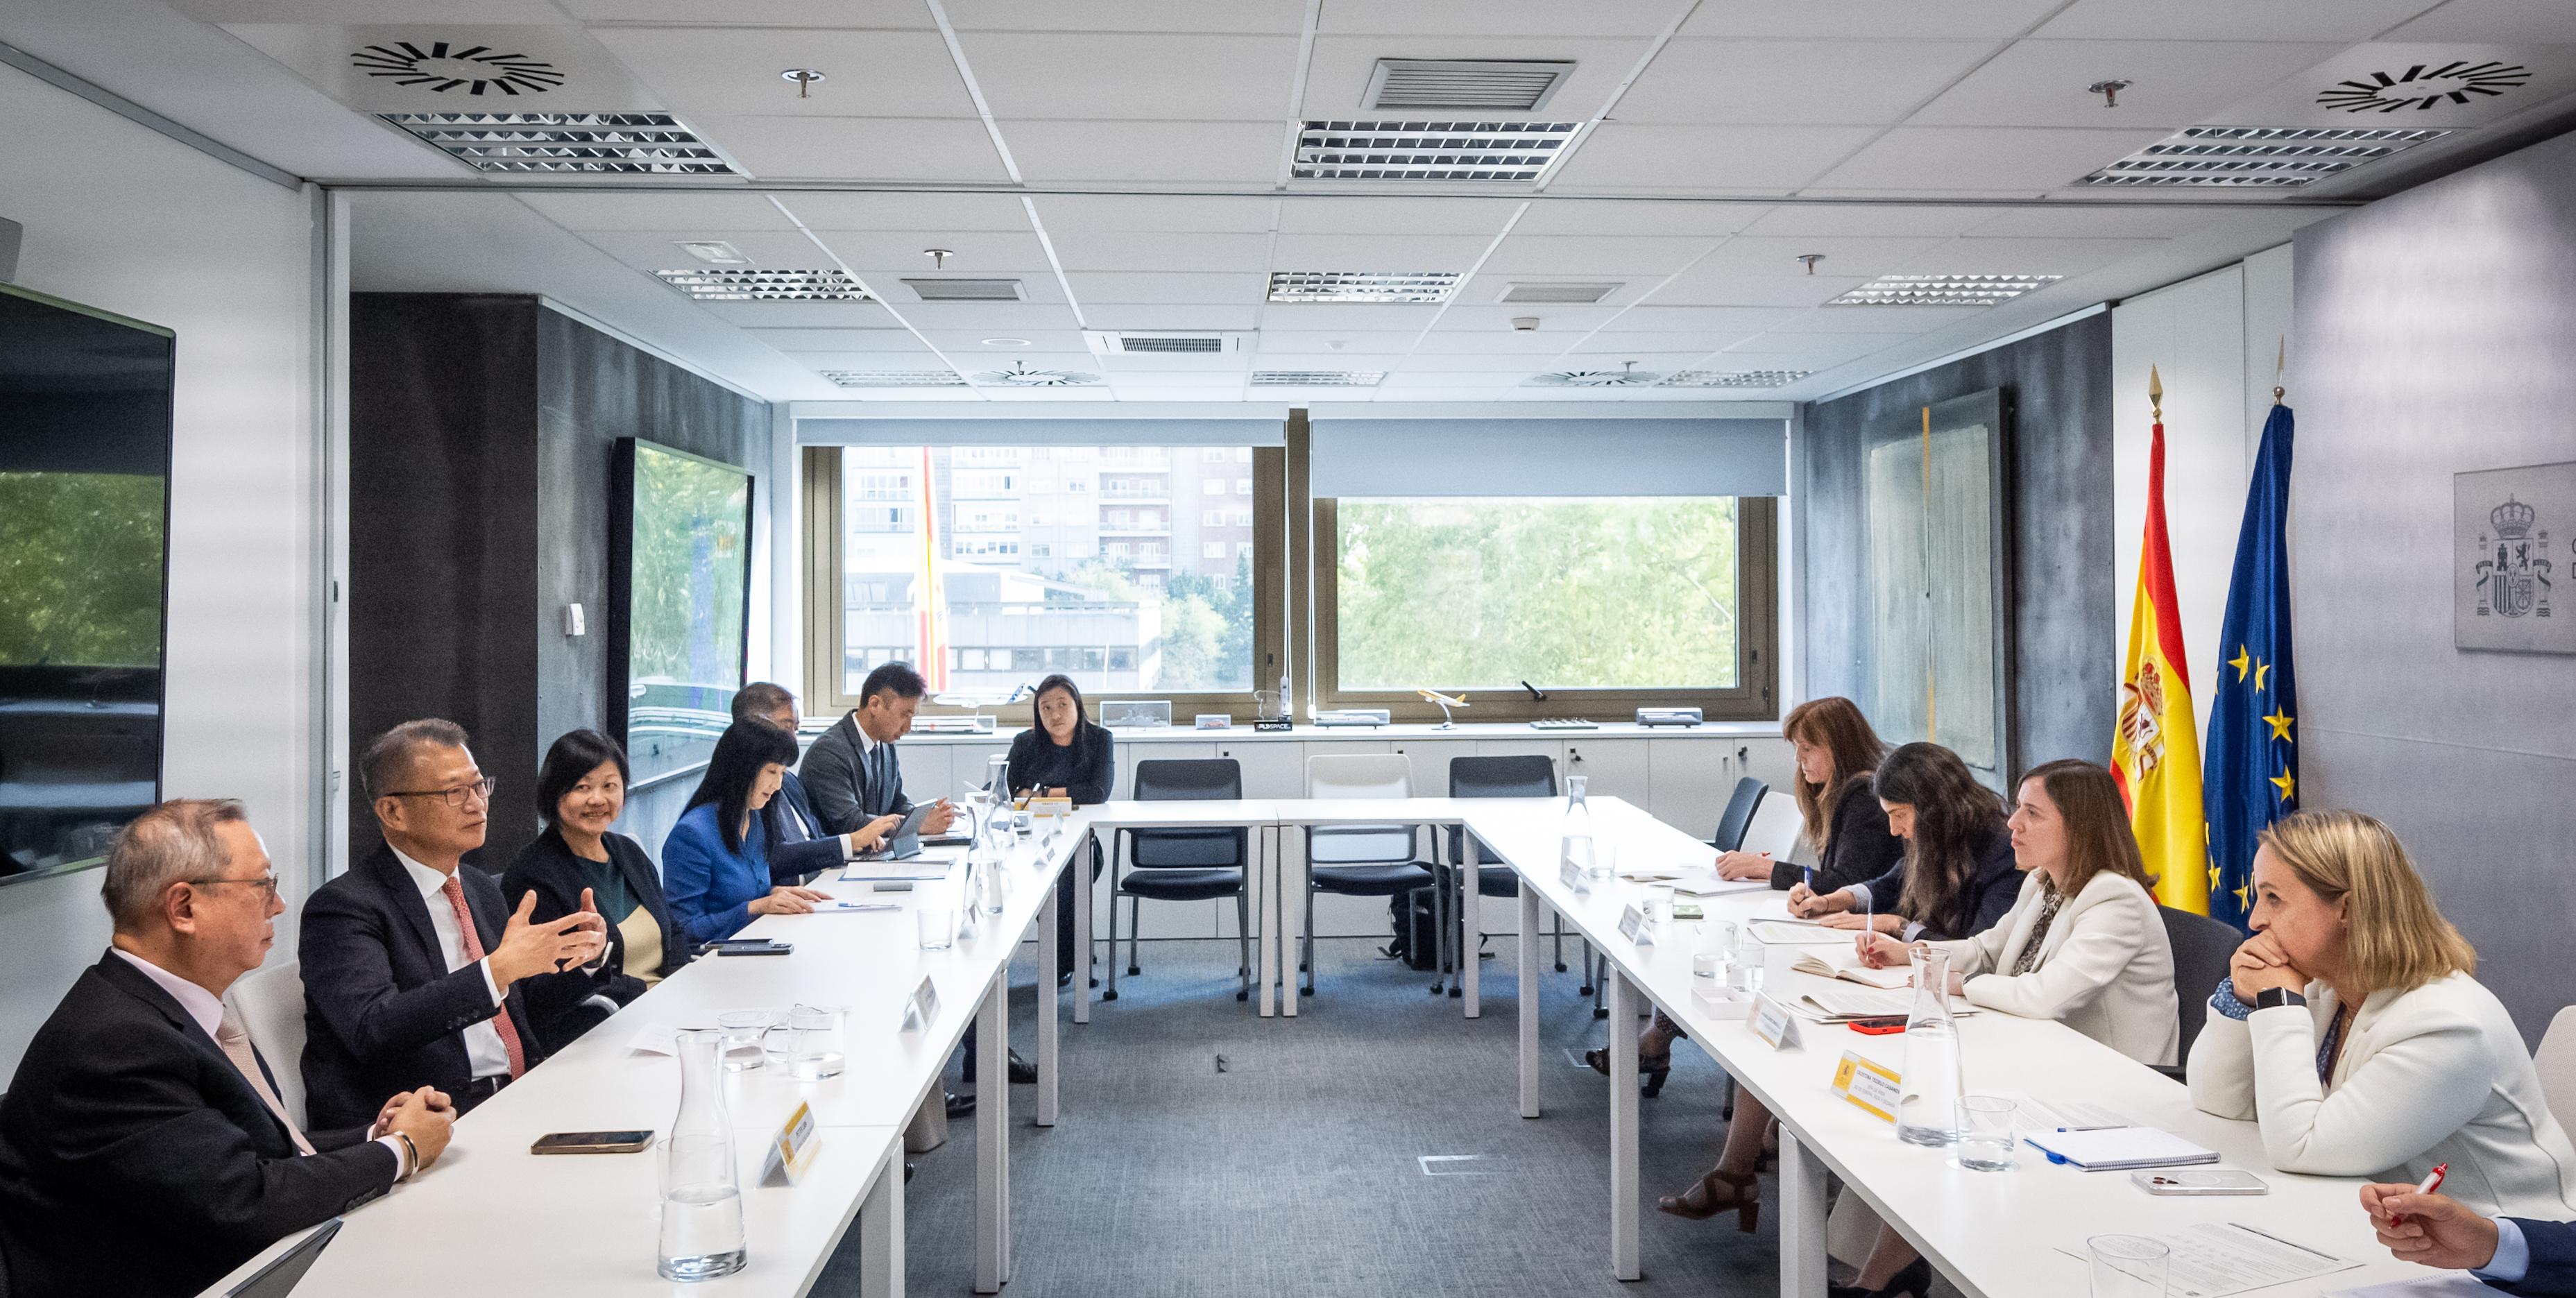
(1217,455)
(1243,518)
(1212,518)
(1212,550)
(1243,486)
(1242,549)
(1613,600)
(1212,486)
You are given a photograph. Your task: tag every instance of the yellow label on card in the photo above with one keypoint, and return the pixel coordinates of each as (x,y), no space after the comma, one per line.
(1870,1086)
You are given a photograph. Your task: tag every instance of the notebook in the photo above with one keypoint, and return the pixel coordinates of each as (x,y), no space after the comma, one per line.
(1846,965)
(2118,1149)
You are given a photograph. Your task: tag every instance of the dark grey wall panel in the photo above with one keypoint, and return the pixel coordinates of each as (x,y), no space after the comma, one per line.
(2058,468)
(2434,334)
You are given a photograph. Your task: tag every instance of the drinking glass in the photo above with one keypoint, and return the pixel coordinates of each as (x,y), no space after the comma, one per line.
(1751,957)
(1986,1133)
(1659,902)
(741,1046)
(2128,1266)
(814,1042)
(938,925)
(1716,949)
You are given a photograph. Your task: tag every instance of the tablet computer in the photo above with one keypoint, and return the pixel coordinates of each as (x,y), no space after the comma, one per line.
(279,1277)
(905,842)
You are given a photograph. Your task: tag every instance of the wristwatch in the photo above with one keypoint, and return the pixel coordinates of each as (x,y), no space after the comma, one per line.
(2271,997)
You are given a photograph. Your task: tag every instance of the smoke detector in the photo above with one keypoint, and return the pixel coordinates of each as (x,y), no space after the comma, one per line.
(1525,324)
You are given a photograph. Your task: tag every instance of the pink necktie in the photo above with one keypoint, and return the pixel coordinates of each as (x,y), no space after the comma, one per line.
(473,952)
(235,1041)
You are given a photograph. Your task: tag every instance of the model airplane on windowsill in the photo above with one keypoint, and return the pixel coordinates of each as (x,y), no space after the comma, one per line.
(1446,702)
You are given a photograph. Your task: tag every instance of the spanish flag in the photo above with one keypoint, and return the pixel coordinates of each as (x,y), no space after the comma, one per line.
(2155,750)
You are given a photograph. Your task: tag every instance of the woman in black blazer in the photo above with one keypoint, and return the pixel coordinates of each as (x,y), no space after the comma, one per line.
(1064,755)
(581,790)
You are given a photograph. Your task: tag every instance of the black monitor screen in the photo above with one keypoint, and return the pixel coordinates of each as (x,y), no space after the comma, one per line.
(84,512)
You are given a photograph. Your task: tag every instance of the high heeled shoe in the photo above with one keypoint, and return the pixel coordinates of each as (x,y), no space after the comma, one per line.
(1650,1072)
(1703,1201)
(1915,1281)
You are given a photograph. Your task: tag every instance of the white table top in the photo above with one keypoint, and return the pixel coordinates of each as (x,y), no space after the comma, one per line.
(1997,1234)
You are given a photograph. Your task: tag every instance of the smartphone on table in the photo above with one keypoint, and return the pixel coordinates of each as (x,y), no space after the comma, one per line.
(592,1142)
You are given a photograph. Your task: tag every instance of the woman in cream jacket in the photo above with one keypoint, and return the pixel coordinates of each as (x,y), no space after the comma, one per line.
(2083,943)
(2351,1030)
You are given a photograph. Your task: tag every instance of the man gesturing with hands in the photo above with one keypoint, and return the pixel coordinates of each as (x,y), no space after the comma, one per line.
(2515,1255)
(412,964)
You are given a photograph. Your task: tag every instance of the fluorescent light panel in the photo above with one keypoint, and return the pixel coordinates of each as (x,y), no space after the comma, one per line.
(1737,379)
(765,285)
(1428,150)
(1943,290)
(624,144)
(1317,378)
(896,378)
(2255,157)
(1361,285)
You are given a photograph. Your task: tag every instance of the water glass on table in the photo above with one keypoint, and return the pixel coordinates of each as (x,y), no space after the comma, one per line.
(1986,1133)
(815,1048)
(1716,949)
(938,926)
(1752,958)
(2128,1266)
(742,1030)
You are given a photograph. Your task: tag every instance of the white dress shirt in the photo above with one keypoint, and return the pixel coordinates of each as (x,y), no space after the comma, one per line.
(208,1011)
(485,1056)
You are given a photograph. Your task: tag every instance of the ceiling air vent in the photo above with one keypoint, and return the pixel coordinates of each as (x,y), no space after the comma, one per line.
(1021,376)
(895,378)
(623,144)
(444,66)
(1943,290)
(2423,86)
(1164,342)
(1738,379)
(1361,285)
(1317,378)
(966,290)
(1464,85)
(2255,157)
(1626,377)
(1558,292)
(1428,150)
(765,285)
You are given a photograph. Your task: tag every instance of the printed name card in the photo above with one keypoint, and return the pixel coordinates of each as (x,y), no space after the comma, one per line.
(1870,1086)
(1572,877)
(1773,1022)
(1634,926)
(920,1008)
(791,1151)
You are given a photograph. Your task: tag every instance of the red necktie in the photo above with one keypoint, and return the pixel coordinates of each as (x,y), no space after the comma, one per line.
(473,952)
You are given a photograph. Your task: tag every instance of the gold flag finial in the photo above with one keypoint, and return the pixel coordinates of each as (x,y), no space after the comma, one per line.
(2280,368)
(2156,392)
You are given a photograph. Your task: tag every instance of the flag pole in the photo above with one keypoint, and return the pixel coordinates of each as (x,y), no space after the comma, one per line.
(2156,394)
(2280,371)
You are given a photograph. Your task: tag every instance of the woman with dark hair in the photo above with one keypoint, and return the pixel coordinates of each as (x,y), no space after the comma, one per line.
(715,864)
(1957,876)
(581,790)
(1064,756)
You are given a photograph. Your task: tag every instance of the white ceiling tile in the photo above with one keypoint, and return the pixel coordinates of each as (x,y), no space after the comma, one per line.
(1630,257)
(1146,152)
(658,211)
(1716,159)
(967,346)
(1119,250)
(1497,342)
(702,71)
(945,149)
(1877,320)
(2018,256)
(1157,317)
(1353,342)
(1048,396)
(979,252)
(883,14)
(1015,319)
(1867,19)
(1337,79)
(1130,288)
(1061,75)
(1126,374)
(1637,216)
(889,336)
(1809,220)
(1129,213)
(1959,158)
(1452,379)
(651,250)
(2067,221)
(2236,20)
(1804,351)
(932,211)
(1315,214)
(1340,319)
(2173,83)
(2504,22)
(1808,83)
(910,356)
(1378,252)
(1749,262)
(1496,18)
(799,315)
(1475,310)
(1738,320)
(1522,363)
(1278,17)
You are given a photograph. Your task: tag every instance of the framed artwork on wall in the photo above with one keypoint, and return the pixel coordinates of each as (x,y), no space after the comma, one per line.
(2513,540)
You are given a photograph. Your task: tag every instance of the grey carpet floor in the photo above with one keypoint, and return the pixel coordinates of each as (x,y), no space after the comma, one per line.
(1296,1170)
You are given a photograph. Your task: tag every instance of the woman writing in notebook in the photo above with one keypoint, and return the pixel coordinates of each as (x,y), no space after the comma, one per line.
(2351,1030)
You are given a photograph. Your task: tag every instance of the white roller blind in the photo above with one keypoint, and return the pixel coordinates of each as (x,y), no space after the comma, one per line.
(842,431)
(1548,457)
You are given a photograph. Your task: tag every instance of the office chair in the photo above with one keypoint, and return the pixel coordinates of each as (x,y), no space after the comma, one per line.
(1181,864)
(1739,814)
(2201,949)
(1359,860)
(1521,776)
(270,1000)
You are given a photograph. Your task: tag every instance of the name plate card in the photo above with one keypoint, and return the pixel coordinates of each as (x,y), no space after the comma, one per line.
(921,1008)
(1870,1086)
(791,1151)
(1573,878)
(1634,926)
(1773,1022)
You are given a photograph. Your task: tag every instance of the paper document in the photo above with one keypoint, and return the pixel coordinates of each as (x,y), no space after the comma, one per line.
(852,907)
(895,873)
(2032,1113)
(656,1039)
(2217,1258)
(1784,933)
(1705,883)
(1844,1001)
(2457,1284)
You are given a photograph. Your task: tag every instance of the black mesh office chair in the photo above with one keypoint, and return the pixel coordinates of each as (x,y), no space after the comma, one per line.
(2202,948)
(1521,776)
(1739,814)
(1181,864)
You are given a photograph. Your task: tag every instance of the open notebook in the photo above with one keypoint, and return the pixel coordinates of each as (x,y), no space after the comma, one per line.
(1844,963)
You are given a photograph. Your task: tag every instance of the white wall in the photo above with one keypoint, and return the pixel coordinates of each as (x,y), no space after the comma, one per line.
(2214,340)
(124,219)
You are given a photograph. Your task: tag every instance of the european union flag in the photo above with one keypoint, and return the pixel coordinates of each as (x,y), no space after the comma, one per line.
(2251,777)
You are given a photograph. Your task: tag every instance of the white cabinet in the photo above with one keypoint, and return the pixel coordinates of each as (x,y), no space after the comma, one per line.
(1611,768)
(1271,768)
(1429,759)
(1690,784)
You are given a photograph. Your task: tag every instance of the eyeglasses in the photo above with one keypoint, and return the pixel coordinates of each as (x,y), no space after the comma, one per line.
(456,797)
(266,883)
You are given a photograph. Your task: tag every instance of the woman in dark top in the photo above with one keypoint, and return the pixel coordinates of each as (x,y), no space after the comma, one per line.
(1836,752)
(581,790)
(1064,755)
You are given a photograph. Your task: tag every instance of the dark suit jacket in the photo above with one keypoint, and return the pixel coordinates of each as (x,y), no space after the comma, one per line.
(1860,848)
(840,784)
(811,847)
(2553,1259)
(561,1003)
(1991,890)
(381,1011)
(135,1160)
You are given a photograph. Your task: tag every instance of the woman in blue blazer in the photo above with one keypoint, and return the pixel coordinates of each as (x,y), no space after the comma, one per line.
(715,864)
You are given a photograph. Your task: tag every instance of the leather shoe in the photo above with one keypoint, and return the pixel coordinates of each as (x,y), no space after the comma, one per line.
(960,1106)
(1023,1073)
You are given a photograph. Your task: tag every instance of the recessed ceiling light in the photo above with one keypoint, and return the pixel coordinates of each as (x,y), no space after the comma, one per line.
(1557,292)
(714,251)
(2255,157)
(1006,342)
(1736,379)
(1361,285)
(1943,290)
(1317,378)
(765,285)
(628,144)
(965,290)
(1019,375)
(1628,376)
(896,378)
(1428,150)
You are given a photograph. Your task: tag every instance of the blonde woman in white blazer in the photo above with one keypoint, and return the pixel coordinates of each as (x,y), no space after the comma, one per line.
(2351,1030)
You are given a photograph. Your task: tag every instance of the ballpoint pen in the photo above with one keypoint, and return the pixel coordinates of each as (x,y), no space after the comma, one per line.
(2432,1182)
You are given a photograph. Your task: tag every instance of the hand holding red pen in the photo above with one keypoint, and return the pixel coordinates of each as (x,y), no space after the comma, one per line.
(2430,1229)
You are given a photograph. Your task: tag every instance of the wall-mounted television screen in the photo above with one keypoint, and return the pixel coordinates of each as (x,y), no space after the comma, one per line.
(84,563)
(679,574)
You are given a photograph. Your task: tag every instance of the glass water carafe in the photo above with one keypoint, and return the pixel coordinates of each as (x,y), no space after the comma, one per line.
(1578,849)
(1927,1109)
(701,1192)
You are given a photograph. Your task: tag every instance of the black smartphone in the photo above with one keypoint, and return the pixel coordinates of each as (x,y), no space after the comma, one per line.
(592,1142)
(751,946)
